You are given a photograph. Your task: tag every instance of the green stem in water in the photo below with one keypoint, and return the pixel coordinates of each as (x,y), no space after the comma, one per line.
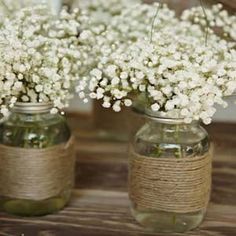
(178,152)
(158,150)
(26,141)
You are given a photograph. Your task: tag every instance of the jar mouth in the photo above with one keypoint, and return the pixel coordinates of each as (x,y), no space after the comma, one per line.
(161,117)
(32,108)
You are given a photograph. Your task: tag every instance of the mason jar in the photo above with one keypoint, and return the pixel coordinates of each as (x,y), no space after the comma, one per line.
(169,174)
(36,161)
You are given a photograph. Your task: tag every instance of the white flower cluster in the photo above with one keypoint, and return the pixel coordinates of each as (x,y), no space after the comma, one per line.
(218,20)
(8,7)
(101,11)
(136,21)
(101,14)
(180,75)
(41,56)
(133,23)
(183,78)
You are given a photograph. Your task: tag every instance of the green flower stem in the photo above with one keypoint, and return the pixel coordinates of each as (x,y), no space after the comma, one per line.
(178,153)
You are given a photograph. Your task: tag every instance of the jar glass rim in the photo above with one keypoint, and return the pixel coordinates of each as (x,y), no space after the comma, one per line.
(32,107)
(160,117)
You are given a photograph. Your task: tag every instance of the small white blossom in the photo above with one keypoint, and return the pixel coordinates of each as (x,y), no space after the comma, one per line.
(106,104)
(54,111)
(116,107)
(128,102)
(155,107)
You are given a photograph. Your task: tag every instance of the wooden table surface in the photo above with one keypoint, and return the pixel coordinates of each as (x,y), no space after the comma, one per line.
(100,206)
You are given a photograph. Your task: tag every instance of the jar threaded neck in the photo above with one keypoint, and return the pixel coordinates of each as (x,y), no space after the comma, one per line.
(32,108)
(161,118)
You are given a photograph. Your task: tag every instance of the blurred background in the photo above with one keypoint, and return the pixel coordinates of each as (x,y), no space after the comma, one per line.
(222,115)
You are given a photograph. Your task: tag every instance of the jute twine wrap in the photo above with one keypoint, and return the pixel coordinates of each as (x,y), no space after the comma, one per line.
(180,185)
(36,174)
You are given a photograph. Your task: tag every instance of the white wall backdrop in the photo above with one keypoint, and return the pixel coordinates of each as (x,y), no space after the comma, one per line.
(228,114)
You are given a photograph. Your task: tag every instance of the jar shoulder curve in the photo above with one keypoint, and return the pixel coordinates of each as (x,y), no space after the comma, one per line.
(173,133)
(34,130)
(163,140)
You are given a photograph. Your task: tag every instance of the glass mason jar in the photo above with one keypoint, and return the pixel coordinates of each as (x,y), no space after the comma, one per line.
(169,174)
(37,161)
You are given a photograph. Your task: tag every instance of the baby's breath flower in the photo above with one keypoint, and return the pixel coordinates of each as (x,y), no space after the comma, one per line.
(9,7)
(217,19)
(40,54)
(180,75)
(101,11)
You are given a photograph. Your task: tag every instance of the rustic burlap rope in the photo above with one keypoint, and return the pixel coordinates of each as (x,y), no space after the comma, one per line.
(180,185)
(36,174)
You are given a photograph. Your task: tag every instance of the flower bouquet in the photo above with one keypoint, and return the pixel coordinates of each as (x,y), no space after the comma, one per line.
(41,57)
(174,67)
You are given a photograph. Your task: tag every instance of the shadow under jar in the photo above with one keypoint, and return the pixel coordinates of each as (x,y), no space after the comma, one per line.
(170,174)
(36,161)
